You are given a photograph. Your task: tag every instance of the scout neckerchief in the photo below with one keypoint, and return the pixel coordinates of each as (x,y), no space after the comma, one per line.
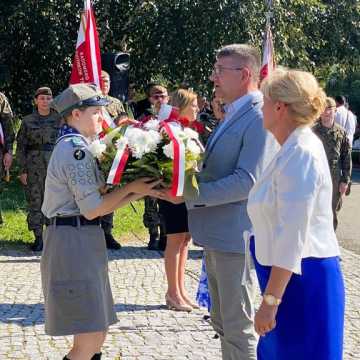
(68,131)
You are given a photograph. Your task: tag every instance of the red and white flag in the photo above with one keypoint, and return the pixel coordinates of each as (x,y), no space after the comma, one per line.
(268,62)
(86,66)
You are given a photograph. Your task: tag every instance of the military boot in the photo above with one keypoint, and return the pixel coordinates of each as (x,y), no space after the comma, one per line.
(38,243)
(154,241)
(111,243)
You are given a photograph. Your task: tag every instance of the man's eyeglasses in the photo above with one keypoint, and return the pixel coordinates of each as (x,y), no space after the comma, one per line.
(159,96)
(218,70)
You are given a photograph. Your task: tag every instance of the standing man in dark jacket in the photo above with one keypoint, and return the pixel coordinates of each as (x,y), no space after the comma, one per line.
(35,142)
(7,136)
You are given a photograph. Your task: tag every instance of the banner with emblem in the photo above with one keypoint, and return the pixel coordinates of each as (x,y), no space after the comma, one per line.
(86,66)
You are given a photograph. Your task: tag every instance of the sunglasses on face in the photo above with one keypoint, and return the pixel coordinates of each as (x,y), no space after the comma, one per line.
(159,96)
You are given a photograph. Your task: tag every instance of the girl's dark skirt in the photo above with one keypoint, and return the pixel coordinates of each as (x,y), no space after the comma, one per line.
(75,281)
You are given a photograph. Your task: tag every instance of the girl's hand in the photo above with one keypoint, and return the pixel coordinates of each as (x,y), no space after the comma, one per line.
(144,186)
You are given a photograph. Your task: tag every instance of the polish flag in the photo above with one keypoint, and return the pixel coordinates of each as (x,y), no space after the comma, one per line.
(268,61)
(86,66)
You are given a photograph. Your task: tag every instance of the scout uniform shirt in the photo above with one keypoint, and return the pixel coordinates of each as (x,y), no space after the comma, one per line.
(73,179)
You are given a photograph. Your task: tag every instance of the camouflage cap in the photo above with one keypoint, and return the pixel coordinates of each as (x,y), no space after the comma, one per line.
(44,90)
(76,96)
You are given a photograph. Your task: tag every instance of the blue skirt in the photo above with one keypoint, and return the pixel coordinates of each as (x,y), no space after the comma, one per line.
(310,318)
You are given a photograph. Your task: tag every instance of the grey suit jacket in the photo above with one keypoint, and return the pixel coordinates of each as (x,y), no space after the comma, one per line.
(232,163)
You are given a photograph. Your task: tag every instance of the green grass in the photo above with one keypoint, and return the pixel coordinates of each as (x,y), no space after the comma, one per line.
(14,231)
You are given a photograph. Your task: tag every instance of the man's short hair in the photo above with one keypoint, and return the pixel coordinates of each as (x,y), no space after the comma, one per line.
(246,54)
(153,89)
(340,99)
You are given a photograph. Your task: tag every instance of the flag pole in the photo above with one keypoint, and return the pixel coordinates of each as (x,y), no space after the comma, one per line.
(268,62)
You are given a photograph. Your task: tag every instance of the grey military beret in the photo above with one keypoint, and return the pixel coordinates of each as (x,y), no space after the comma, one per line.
(76,96)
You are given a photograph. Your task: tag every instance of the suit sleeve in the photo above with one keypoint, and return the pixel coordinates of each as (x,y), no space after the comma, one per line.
(236,186)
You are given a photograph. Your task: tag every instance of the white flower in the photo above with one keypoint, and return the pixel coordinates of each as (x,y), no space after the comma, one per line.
(169,150)
(193,147)
(190,133)
(152,125)
(141,141)
(97,148)
(121,143)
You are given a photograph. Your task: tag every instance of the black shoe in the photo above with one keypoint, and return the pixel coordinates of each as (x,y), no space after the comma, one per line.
(162,242)
(38,244)
(154,243)
(96,357)
(111,243)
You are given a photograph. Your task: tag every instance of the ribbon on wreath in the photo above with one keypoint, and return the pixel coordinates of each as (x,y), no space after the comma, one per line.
(118,165)
(107,121)
(168,117)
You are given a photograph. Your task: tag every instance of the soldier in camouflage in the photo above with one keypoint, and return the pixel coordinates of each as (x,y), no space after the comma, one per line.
(338,152)
(35,142)
(7,137)
(117,111)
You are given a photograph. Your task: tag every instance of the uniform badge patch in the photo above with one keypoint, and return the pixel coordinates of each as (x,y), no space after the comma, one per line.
(79,154)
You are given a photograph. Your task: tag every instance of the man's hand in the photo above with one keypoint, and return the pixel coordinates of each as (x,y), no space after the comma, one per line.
(165,194)
(265,319)
(23,178)
(342,188)
(7,161)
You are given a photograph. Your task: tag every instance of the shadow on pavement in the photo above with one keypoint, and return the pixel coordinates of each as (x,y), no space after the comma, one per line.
(33,314)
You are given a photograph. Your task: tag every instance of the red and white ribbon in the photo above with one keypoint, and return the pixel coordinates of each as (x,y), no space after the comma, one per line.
(178,177)
(108,122)
(118,165)
(168,114)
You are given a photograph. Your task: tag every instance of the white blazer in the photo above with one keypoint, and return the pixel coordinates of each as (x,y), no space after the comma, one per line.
(290,206)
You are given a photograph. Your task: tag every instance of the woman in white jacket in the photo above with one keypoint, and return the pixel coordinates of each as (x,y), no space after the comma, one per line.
(294,247)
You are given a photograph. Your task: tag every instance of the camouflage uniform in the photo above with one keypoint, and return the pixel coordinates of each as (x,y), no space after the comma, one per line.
(338,152)
(115,108)
(35,142)
(6,121)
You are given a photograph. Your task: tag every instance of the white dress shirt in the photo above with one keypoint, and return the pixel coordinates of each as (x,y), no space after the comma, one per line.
(290,205)
(347,120)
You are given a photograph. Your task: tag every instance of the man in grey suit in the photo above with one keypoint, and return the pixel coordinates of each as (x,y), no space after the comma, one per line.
(236,154)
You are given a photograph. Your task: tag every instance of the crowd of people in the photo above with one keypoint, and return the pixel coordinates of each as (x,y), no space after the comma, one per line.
(274,147)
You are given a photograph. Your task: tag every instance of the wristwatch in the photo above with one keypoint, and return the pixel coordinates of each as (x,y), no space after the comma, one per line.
(271,300)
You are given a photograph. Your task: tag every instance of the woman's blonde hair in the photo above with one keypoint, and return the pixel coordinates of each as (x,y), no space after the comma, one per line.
(182,98)
(299,90)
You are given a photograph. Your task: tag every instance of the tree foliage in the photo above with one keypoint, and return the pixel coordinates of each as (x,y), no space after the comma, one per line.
(175,39)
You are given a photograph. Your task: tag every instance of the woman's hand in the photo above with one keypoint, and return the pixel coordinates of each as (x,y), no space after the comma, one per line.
(265,319)
(144,186)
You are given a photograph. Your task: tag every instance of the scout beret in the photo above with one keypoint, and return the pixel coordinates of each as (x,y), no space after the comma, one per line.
(76,96)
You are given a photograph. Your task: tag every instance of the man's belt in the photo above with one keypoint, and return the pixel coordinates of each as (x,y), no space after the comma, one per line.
(74,221)
(40,147)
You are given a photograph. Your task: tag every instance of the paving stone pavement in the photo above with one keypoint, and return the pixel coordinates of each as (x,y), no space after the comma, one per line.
(146,329)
